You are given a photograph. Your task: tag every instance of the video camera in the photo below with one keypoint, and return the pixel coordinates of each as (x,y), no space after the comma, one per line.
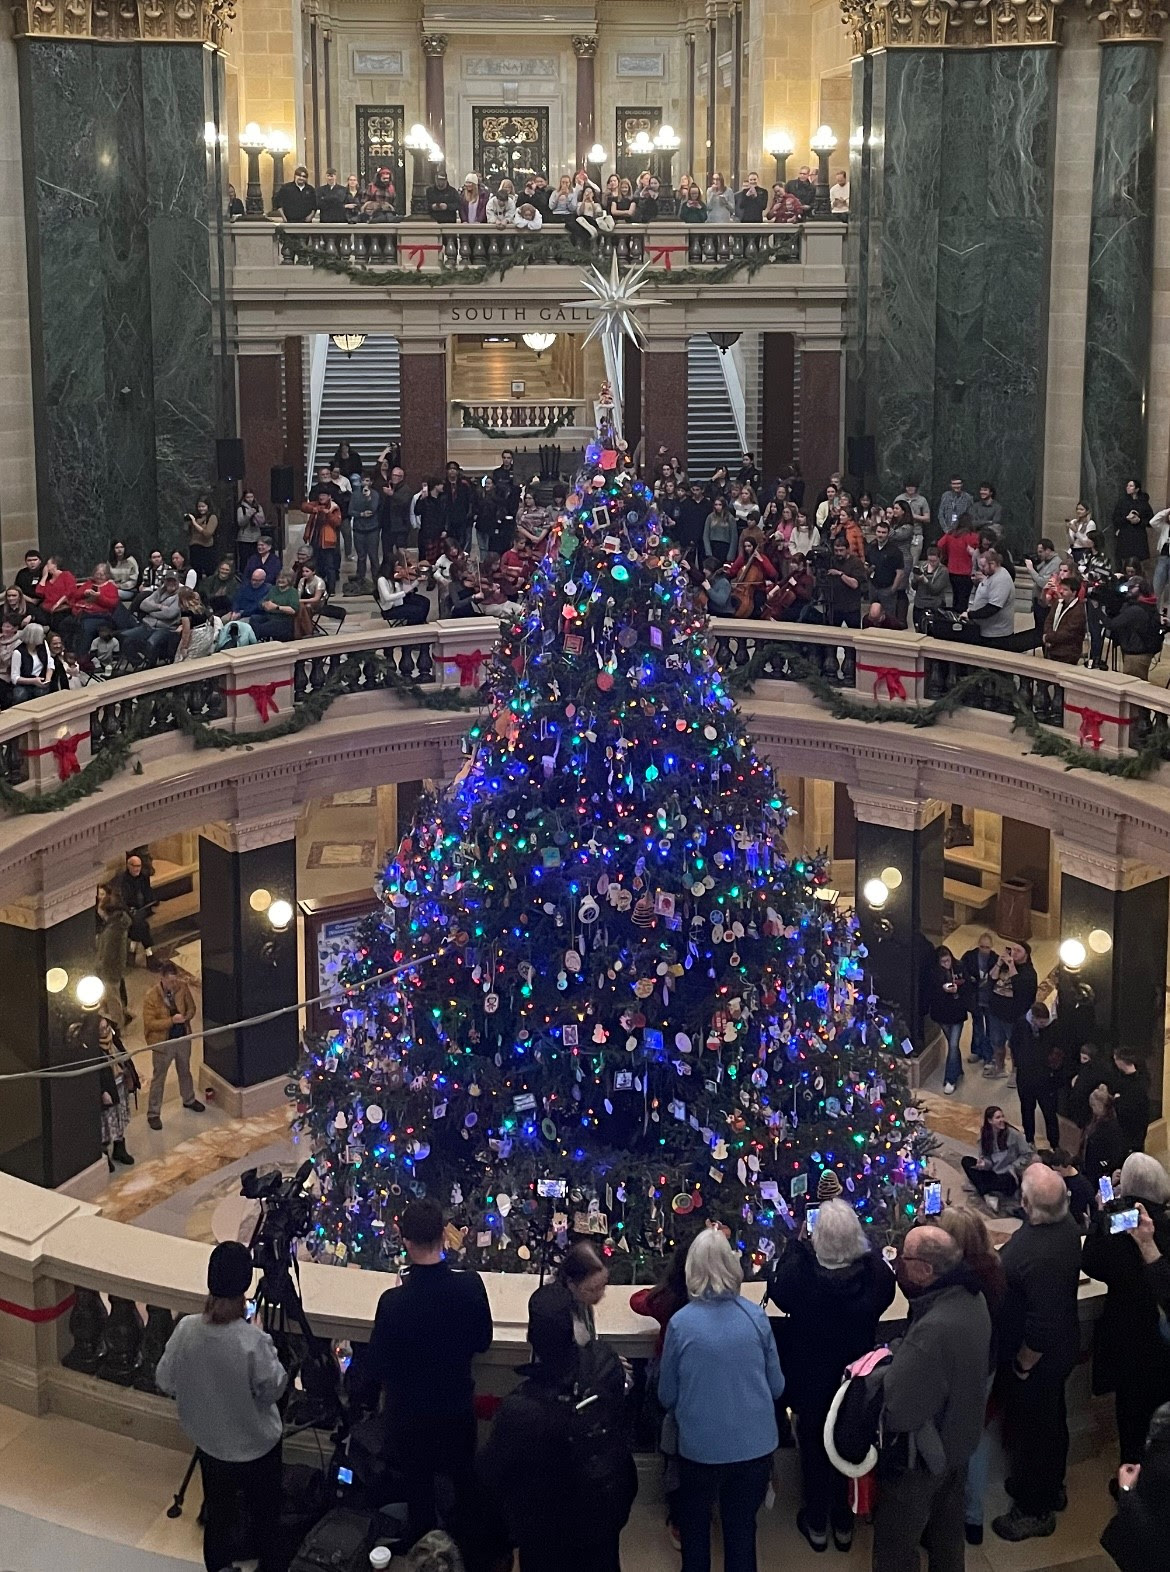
(286,1214)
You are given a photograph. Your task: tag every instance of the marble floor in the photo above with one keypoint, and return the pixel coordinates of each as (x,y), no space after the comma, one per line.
(70,1495)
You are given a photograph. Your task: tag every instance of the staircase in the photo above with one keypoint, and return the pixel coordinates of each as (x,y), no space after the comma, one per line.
(361,399)
(712,436)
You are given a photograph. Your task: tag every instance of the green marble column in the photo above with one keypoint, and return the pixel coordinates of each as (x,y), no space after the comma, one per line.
(957,245)
(121,200)
(1121,276)
(857,264)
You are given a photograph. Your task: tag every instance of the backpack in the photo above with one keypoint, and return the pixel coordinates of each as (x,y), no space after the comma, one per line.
(593,1419)
(853,1424)
(233,635)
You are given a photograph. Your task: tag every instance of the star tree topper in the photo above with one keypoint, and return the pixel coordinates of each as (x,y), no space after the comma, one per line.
(616,301)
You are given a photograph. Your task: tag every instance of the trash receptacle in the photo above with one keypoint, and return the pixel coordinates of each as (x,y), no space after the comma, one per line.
(1014,910)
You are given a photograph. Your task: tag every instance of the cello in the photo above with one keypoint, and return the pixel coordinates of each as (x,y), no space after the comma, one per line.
(747,581)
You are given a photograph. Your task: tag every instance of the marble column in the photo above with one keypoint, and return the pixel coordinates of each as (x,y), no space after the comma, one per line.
(956,222)
(586,51)
(260,379)
(692,84)
(50,1130)
(122,196)
(424,394)
(712,80)
(434,47)
(735,174)
(820,416)
(1130,904)
(778,352)
(248,967)
(857,265)
(664,396)
(1121,276)
(906,836)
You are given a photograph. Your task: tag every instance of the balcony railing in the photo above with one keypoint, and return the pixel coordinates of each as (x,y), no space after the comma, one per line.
(522,415)
(424,247)
(1114,718)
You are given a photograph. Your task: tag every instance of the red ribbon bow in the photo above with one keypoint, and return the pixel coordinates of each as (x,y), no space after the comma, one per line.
(1091,723)
(418,250)
(262,695)
(891,678)
(468,667)
(662,254)
(64,750)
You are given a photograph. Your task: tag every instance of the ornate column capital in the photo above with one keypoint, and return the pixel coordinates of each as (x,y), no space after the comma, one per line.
(962,24)
(1129,21)
(126,21)
(434,45)
(584,48)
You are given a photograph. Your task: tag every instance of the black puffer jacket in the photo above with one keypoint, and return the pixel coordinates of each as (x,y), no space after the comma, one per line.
(832,1319)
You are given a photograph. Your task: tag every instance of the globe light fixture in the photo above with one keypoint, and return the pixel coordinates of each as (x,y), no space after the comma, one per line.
(891,878)
(640,145)
(822,144)
(539,342)
(781,146)
(260,900)
(280,914)
(597,157)
(56,979)
(876,892)
(1100,942)
(1072,954)
(90,992)
(279,146)
(252,145)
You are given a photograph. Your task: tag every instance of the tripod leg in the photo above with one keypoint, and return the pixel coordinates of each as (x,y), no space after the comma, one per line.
(176,1507)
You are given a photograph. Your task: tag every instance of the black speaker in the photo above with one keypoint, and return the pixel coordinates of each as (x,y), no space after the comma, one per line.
(862,458)
(283,485)
(229,459)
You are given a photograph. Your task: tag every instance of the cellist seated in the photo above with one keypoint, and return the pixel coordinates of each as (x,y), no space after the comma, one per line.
(749,573)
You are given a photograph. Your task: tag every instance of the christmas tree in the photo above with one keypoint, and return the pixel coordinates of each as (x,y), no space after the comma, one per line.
(608,979)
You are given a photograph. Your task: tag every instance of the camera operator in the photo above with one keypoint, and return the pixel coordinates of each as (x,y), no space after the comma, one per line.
(992,608)
(225,1375)
(426,1334)
(1136,628)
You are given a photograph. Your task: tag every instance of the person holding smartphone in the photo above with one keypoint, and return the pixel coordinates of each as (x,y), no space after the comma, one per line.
(1130,1357)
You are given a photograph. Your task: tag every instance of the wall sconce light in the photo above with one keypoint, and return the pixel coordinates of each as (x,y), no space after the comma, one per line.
(875,893)
(539,342)
(891,878)
(56,979)
(260,900)
(1072,954)
(1100,942)
(280,914)
(90,992)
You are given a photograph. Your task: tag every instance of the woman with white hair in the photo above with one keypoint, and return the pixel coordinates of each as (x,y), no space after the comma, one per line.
(833,1289)
(31,671)
(720,1376)
(1131,1359)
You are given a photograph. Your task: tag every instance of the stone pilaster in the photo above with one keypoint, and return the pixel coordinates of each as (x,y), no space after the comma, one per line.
(434,48)
(585,50)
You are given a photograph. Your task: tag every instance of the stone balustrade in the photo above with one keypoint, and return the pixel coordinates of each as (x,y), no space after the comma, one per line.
(526,416)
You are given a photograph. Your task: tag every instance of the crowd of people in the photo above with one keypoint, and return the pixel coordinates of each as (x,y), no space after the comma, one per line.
(576,203)
(986,1339)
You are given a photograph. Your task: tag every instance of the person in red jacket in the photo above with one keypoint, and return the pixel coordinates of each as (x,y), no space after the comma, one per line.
(92,604)
(55,590)
(955,548)
(323,536)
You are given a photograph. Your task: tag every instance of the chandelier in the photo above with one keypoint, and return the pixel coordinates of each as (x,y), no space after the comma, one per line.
(539,342)
(348,342)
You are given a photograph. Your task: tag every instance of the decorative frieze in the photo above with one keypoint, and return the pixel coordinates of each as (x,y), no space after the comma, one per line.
(957,24)
(126,21)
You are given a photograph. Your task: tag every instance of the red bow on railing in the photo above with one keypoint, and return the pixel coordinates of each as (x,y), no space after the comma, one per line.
(262,695)
(64,750)
(467,666)
(662,254)
(418,250)
(891,678)
(1092,720)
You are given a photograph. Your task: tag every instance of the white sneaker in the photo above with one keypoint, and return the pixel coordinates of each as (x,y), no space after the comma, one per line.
(992,1202)
(949,1089)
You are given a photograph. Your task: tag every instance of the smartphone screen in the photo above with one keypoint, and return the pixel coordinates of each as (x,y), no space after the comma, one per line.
(250,1310)
(1105,1188)
(1124,1222)
(811,1216)
(933,1203)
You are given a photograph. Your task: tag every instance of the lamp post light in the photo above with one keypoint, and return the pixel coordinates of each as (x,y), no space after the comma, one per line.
(596,156)
(419,142)
(280,145)
(822,144)
(667,144)
(781,147)
(252,143)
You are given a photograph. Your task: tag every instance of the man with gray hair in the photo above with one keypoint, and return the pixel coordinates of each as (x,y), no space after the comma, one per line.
(932,1413)
(1040,1341)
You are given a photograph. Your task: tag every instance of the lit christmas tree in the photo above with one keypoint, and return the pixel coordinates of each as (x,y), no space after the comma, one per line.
(615,976)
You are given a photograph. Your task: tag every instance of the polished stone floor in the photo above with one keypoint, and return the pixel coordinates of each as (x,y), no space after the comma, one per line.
(72,1496)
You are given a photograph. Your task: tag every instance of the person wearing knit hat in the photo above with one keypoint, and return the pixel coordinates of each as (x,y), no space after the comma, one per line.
(226,1378)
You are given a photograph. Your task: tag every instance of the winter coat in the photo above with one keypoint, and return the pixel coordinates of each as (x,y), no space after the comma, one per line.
(947,1009)
(1011,1006)
(832,1319)
(156,1016)
(1128,1346)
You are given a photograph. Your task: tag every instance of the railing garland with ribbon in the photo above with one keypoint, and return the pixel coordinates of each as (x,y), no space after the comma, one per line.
(1089,734)
(890,678)
(468,666)
(663,254)
(64,749)
(262,695)
(418,251)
